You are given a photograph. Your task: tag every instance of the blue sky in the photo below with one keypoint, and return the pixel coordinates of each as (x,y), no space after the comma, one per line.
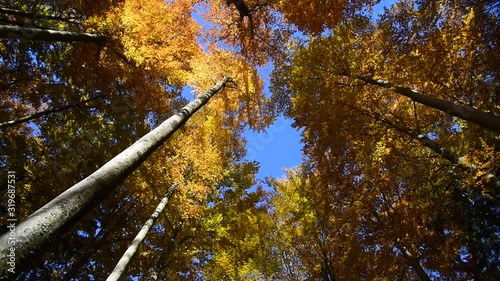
(279,147)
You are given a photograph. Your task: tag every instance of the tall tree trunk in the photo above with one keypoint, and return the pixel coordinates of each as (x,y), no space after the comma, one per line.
(119,218)
(414,263)
(63,211)
(490,179)
(129,253)
(34,16)
(49,35)
(476,116)
(44,113)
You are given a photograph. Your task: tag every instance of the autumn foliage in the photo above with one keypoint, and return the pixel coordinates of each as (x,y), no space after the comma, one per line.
(392,187)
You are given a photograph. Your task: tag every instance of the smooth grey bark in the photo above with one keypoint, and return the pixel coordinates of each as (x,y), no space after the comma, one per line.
(414,263)
(44,113)
(34,16)
(49,35)
(129,253)
(61,212)
(476,116)
(458,160)
(490,179)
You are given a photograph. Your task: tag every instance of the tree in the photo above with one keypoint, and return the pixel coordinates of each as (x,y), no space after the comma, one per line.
(239,246)
(140,71)
(44,113)
(348,55)
(131,250)
(364,146)
(74,201)
(30,33)
(398,180)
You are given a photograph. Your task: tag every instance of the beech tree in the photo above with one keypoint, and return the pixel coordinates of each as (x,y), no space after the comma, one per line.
(132,249)
(30,33)
(141,87)
(44,113)
(398,115)
(41,225)
(367,139)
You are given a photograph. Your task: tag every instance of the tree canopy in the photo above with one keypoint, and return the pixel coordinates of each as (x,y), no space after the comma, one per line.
(398,111)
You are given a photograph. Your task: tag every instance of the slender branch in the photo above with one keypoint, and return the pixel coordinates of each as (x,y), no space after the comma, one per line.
(44,113)
(34,16)
(49,35)
(490,179)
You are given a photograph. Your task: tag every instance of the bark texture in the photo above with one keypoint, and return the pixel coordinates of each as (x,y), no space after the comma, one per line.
(483,119)
(488,178)
(129,253)
(49,35)
(62,211)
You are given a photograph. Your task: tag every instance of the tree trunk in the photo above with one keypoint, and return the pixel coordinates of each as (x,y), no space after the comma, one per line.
(119,218)
(129,253)
(473,115)
(490,179)
(34,16)
(63,211)
(49,35)
(44,113)
(414,263)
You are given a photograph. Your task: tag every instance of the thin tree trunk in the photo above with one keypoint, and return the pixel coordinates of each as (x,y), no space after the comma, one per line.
(490,179)
(63,211)
(49,35)
(44,113)
(34,16)
(476,116)
(409,257)
(129,253)
(415,264)
(121,217)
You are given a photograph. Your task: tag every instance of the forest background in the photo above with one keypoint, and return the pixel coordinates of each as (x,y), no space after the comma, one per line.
(398,118)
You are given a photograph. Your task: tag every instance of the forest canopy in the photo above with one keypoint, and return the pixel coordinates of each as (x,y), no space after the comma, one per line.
(398,110)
